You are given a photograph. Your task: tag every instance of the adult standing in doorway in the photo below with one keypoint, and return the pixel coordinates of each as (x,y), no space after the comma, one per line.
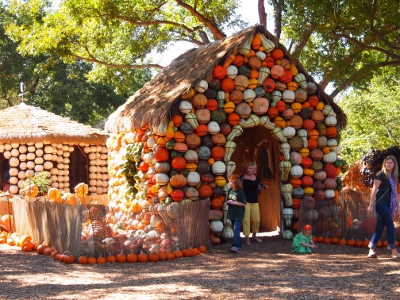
(252,186)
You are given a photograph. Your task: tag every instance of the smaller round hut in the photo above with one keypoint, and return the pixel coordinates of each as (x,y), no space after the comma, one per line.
(33,140)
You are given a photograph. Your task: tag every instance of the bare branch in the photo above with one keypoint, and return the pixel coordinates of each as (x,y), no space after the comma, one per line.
(95,60)
(218,35)
(365,46)
(357,75)
(305,38)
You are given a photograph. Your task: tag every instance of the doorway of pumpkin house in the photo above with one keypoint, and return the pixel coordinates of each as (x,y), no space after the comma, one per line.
(78,167)
(257,144)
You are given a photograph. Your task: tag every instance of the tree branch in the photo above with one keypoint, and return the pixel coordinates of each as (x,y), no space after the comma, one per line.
(218,35)
(95,60)
(357,74)
(305,38)
(364,46)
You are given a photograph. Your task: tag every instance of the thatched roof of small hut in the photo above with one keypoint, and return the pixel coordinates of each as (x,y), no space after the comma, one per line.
(152,104)
(23,123)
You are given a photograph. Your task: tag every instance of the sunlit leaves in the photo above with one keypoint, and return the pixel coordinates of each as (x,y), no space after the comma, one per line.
(373,115)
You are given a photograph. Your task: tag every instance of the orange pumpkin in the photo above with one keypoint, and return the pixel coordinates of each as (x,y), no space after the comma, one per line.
(178,253)
(233,119)
(111,258)
(179,136)
(227,85)
(205,191)
(178,163)
(217,153)
(203,249)
(331,132)
(121,258)
(178,180)
(216,202)
(69,259)
(280,106)
(219,72)
(334,240)
(313,100)
(272,112)
(131,258)
(188,252)
(153,257)
(326,240)
(202,130)
(177,119)
(142,257)
(83,260)
(238,61)
(162,256)
(295,182)
(91,261)
(177,195)
(161,154)
(212,104)
(358,244)
(277,54)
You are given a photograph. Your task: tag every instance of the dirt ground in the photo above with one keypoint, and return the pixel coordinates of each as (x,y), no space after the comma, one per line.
(261,271)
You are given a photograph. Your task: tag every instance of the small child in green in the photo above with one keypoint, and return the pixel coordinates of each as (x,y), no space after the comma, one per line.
(302,242)
(237,202)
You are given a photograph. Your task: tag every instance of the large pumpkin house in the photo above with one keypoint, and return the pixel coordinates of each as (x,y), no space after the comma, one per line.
(245,98)
(33,140)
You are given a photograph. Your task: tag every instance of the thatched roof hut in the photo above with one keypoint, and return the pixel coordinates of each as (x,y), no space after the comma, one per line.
(216,108)
(35,140)
(23,123)
(152,104)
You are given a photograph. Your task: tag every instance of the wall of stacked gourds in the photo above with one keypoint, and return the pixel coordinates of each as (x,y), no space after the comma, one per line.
(189,159)
(26,159)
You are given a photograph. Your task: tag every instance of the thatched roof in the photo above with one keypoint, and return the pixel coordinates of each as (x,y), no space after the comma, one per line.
(153,103)
(23,123)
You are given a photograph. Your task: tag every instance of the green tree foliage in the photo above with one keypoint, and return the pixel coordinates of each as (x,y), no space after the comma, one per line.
(60,87)
(117,35)
(13,67)
(372,163)
(344,43)
(341,43)
(65,91)
(373,116)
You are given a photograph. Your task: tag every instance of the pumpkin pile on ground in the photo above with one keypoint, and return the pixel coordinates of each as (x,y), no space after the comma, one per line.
(26,244)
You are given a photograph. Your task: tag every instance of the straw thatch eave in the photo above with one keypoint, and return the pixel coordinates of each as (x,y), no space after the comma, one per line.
(23,124)
(152,104)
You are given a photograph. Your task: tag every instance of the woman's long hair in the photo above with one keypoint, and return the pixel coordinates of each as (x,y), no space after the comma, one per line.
(395,171)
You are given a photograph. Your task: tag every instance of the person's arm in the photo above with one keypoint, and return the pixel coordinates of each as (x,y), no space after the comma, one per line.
(372,199)
(310,245)
(237,203)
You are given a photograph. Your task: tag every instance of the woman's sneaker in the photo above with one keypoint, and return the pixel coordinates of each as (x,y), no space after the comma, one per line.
(234,249)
